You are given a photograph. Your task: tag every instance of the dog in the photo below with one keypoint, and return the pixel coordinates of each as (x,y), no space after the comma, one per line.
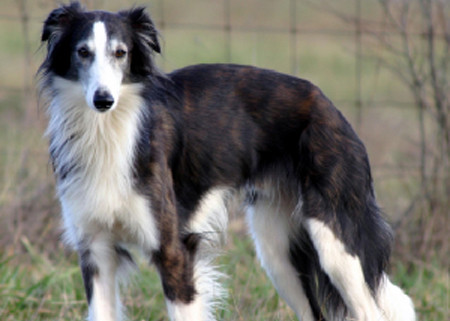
(152,160)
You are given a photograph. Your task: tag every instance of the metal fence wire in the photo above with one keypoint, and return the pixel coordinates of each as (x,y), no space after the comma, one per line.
(297,24)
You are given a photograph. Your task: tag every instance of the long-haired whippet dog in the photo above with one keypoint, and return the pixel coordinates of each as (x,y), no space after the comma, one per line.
(151,159)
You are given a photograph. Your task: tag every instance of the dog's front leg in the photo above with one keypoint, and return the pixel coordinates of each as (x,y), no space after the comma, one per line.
(99,262)
(175,263)
(175,256)
(175,266)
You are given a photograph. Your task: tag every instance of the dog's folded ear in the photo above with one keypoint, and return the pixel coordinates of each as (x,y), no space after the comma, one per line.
(143,27)
(144,40)
(58,19)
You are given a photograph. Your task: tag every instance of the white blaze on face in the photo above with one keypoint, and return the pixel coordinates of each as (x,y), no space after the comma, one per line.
(104,73)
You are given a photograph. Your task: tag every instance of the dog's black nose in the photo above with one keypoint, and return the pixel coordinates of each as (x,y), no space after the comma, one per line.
(103,100)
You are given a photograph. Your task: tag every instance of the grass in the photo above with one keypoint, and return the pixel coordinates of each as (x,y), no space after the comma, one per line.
(40,289)
(51,289)
(428,285)
(36,287)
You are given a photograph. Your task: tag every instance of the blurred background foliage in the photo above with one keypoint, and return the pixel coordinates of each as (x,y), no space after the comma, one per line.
(384,63)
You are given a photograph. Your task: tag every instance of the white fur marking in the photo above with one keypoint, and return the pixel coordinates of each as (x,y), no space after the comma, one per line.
(209,220)
(99,191)
(211,217)
(105,304)
(193,311)
(345,272)
(104,73)
(269,226)
(394,303)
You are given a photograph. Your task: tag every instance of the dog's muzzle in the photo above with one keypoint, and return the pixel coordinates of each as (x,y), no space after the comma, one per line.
(103,100)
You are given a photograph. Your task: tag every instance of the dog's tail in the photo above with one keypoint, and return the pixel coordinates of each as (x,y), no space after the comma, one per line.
(394,303)
(322,295)
(328,286)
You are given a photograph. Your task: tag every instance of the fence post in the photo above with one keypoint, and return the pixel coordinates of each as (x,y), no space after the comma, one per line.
(161,27)
(27,94)
(358,55)
(227,29)
(293,35)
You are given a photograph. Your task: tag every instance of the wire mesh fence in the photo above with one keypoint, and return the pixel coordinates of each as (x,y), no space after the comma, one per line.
(347,47)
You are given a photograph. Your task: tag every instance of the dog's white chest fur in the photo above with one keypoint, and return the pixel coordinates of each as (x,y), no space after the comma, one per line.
(95,153)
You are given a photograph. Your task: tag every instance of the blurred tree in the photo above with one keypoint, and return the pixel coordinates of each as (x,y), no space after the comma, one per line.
(421,60)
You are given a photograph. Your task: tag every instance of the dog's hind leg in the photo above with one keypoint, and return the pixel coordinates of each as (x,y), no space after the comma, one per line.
(99,261)
(269,223)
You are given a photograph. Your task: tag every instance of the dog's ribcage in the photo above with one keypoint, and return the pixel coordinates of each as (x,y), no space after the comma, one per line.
(93,157)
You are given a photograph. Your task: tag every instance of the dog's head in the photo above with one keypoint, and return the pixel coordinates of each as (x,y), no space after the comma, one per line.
(100,50)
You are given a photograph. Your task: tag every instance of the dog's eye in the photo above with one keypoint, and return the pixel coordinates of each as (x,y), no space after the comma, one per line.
(83,52)
(120,53)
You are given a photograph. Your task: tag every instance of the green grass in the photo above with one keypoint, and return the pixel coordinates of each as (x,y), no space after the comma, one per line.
(428,285)
(35,287)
